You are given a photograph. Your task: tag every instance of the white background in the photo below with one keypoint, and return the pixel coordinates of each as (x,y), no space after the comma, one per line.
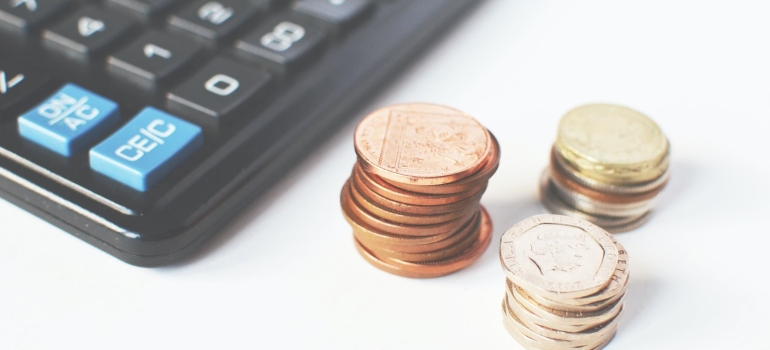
(286,274)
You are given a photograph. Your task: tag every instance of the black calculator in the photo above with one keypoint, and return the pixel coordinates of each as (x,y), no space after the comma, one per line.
(144,126)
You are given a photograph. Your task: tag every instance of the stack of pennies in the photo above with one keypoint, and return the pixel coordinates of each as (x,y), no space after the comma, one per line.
(608,164)
(413,197)
(566,280)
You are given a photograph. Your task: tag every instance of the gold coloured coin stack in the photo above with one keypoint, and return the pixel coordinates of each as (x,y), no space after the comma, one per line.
(413,197)
(608,164)
(566,280)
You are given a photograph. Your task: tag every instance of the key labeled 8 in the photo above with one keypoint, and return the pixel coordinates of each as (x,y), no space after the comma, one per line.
(283,36)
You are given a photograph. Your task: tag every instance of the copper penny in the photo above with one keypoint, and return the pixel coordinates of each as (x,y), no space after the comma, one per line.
(361,185)
(480,177)
(399,217)
(396,194)
(353,211)
(434,255)
(400,244)
(436,268)
(421,144)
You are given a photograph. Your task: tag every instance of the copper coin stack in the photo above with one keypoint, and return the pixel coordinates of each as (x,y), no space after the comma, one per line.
(566,280)
(413,197)
(608,165)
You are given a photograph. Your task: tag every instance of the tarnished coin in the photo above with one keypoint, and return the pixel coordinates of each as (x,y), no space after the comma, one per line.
(612,144)
(558,256)
(422,144)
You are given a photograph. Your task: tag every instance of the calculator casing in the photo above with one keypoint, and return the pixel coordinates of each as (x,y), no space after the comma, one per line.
(240,161)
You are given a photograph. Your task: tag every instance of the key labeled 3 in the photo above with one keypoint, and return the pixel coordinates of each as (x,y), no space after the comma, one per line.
(146,149)
(69,120)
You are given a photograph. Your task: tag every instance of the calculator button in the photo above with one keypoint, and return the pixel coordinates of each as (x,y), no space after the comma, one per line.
(69,120)
(17,86)
(144,9)
(146,149)
(87,33)
(25,16)
(213,20)
(218,90)
(283,42)
(152,58)
(339,14)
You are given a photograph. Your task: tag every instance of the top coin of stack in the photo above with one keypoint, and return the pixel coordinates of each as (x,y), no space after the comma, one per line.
(607,166)
(566,282)
(413,197)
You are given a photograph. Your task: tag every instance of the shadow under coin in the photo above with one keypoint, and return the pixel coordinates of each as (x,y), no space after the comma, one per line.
(641,293)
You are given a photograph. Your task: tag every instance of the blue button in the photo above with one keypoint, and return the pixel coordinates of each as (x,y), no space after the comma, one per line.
(70,120)
(146,149)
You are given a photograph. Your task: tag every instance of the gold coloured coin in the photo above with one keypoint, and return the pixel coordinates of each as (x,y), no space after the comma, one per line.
(612,144)
(421,144)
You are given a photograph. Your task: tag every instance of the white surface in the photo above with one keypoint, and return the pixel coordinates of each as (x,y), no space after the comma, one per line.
(286,274)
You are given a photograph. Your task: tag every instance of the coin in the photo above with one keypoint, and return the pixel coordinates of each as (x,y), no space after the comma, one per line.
(434,268)
(582,265)
(361,217)
(393,193)
(404,218)
(479,178)
(612,224)
(563,180)
(612,144)
(412,199)
(557,162)
(421,144)
(413,209)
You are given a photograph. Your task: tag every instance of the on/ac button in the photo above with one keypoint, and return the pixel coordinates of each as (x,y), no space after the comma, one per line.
(146,149)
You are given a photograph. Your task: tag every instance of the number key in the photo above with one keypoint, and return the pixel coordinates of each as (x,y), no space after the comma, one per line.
(87,33)
(284,42)
(339,14)
(217,91)
(22,17)
(17,86)
(213,20)
(152,58)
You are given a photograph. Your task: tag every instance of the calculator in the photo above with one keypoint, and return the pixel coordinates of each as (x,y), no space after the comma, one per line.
(144,126)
